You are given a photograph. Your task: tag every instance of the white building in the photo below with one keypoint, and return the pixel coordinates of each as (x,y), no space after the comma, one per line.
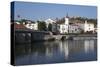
(33,26)
(49,21)
(53,23)
(74,28)
(64,27)
(88,27)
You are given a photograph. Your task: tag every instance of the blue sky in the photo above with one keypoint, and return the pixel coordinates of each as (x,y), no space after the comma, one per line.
(36,11)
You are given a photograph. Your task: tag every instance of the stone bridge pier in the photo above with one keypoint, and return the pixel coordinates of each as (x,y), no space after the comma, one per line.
(23,38)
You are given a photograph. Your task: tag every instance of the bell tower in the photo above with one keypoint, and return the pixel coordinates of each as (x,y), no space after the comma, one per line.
(67,19)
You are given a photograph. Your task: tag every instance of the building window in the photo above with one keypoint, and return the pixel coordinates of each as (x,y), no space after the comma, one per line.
(89,28)
(75,29)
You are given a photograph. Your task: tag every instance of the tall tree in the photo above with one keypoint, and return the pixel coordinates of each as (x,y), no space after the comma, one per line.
(42,26)
(60,21)
(50,27)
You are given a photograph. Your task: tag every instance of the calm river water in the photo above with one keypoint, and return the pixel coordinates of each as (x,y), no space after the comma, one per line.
(55,52)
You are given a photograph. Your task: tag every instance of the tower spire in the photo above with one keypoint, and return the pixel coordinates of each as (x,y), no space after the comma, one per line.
(67,15)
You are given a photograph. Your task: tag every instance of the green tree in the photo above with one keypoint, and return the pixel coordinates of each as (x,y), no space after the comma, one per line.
(60,21)
(42,26)
(22,20)
(50,27)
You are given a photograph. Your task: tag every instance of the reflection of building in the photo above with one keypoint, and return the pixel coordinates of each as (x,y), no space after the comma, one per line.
(88,45)
(58,48)
(50,48)
(64,49)
(75,46)
(49,52)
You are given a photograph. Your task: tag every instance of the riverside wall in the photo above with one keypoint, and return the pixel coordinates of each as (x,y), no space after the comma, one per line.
(27,37)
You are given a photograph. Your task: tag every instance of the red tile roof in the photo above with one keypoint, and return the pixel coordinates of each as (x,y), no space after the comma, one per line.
(19,26)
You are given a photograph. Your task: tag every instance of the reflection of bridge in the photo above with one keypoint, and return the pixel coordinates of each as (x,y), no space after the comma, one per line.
(30,35)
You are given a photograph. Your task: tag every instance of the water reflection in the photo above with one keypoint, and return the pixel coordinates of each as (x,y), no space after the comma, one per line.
(64,49)
(88,46)
(55,51)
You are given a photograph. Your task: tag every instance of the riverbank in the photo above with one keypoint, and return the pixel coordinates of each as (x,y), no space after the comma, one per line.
(32,36)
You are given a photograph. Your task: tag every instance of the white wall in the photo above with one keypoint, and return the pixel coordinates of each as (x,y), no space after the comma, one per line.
(63,28)
(33,26)
(66,21)
(88,26)
(74,29)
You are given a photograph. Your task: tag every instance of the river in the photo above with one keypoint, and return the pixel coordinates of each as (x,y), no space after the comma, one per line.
(55,52)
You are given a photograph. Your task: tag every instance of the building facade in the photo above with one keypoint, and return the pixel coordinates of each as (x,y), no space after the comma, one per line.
(67,27)
(53,23)
(76,27)
(73,28)
(33,26)
(64,27)
(88,27)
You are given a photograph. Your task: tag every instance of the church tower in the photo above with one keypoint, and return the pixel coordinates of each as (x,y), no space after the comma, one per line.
(67,19)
